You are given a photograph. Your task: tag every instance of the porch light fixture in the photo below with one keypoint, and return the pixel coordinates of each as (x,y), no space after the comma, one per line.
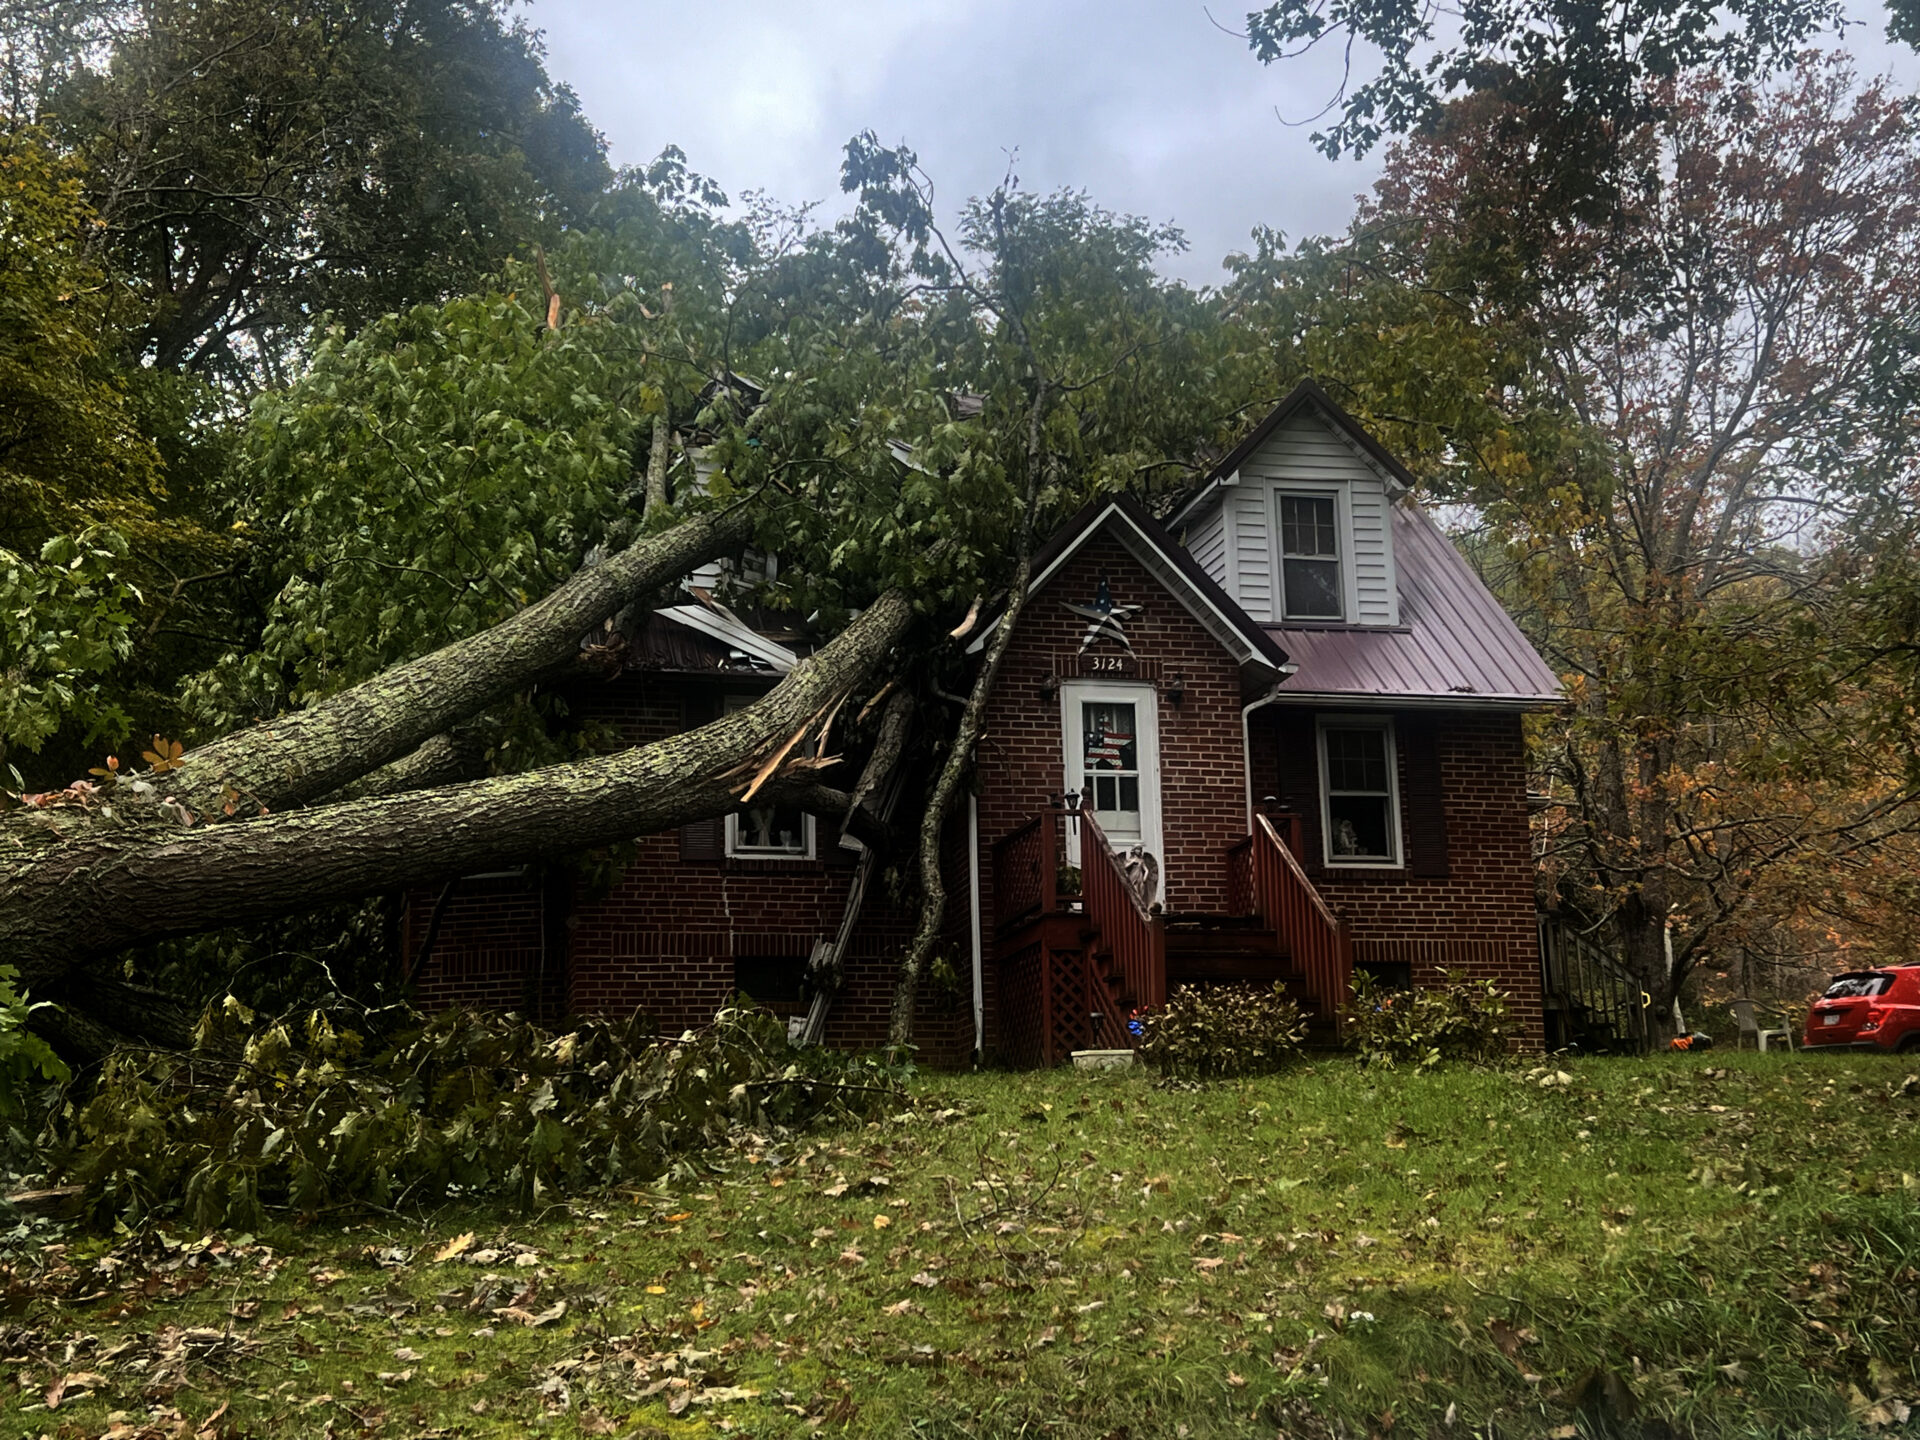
(1177,690)
(1050,687)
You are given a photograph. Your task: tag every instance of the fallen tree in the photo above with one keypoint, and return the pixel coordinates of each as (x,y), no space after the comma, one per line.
(200,840)
(427,481)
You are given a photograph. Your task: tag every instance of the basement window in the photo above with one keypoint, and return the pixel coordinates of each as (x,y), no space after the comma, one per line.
(771,979)
(1360,801)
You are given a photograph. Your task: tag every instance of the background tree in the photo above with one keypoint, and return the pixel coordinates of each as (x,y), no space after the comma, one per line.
(1660,417)
(259,163)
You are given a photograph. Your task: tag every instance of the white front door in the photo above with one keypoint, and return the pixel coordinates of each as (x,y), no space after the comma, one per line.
(1111,740)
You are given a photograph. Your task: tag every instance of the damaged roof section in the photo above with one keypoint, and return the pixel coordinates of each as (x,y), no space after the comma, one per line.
(698,639)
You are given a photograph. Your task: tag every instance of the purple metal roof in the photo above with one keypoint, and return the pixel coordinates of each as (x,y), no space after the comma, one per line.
(1455,643)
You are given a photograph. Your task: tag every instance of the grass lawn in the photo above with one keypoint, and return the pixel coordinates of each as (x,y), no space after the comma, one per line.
(1708,1244)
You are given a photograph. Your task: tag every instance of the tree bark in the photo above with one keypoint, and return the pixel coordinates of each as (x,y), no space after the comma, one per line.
(887,746)
(312,753)
(933,885)
(78,886)
(656,502)
(445,759)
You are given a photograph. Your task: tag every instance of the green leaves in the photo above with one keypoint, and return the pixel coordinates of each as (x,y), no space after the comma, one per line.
(1222,1032)
(254,1120)
(64,623)
(1460,1019)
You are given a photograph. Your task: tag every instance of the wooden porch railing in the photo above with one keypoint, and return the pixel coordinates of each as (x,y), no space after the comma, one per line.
(1136,936)
(1320,941)
(1026,869)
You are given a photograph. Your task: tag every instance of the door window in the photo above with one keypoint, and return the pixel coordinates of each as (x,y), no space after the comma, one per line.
(1110,766)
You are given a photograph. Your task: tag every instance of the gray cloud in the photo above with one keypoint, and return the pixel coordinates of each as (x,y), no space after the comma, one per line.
(1151,107)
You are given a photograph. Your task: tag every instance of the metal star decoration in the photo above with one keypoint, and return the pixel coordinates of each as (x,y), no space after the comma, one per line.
(1105,620)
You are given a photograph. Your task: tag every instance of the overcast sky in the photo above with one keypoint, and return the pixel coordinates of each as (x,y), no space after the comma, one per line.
(1147,104)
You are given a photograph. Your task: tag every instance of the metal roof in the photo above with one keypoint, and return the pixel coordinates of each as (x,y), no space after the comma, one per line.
(1455,645)
(687,640)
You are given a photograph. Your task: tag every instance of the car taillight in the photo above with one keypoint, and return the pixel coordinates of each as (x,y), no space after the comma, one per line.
(1874,1017)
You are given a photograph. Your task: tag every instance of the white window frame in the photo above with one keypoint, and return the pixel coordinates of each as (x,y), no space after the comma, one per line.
(1146,702)
(735,850)
(1343,553)
(1396,832)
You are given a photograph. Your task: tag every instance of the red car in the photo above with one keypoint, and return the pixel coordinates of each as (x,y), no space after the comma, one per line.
(1869,1010)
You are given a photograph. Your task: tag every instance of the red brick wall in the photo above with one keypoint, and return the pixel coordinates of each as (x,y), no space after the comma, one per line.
(664,938)
(1202,782)
(1480,918)
(487,952)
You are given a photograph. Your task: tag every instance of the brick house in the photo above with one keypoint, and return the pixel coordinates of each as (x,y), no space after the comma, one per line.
(1274,737)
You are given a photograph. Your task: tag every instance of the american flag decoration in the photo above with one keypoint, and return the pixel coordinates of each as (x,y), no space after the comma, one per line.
(1104,746)
(1105,620)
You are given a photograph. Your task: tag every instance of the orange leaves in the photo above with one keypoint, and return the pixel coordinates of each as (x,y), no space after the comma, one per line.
(164,756)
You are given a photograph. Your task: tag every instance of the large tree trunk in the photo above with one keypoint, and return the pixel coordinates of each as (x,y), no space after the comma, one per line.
(79,885)
(312,753)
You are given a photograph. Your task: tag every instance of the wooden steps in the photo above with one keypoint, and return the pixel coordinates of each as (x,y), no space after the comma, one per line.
(1225,949)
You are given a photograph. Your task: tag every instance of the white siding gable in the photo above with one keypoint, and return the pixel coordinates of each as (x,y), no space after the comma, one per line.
(1206,541)
(1250,522)
(1238,541)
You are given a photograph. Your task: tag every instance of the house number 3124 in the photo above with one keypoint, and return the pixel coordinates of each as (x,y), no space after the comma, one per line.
(1109,665)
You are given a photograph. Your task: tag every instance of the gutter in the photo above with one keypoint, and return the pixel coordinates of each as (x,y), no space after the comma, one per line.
(973,887)
(1287,672)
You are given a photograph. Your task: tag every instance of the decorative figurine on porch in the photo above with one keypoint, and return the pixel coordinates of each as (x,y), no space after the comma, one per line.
(1142,872)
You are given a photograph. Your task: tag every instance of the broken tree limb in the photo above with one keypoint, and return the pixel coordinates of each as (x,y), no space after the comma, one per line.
(895,721)
(933,885)
(657,450)
(79,885)
(300,757)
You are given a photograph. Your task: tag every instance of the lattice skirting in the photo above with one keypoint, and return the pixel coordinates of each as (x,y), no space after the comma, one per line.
(1022,985)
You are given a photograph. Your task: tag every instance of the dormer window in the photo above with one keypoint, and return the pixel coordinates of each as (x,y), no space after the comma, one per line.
(1310,557)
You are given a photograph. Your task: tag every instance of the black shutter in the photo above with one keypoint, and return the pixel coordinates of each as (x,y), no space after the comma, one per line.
(704,840)
(1422,799)
(1300,780)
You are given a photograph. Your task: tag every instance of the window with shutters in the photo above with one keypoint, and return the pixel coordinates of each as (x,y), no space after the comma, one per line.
(761,830)
(1359,793)
(1311,587)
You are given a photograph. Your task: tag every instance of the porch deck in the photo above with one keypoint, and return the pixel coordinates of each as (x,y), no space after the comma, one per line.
(1080,953)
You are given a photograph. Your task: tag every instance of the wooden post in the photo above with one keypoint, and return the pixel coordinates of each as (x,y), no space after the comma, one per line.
(1049,861)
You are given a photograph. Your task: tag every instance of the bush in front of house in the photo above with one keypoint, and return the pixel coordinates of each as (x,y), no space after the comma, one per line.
(1459,1019)
(1220,1032)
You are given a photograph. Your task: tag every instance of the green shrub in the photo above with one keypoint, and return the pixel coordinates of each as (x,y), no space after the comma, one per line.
(27,1063)
(1461,1019)
(265,1115)
(1221,1031)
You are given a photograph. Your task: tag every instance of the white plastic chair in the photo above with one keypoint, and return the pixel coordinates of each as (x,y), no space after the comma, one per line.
(1751,1026)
